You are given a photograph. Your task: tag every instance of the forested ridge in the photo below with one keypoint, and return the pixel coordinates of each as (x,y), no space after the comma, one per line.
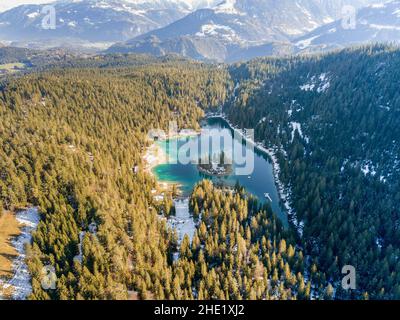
(334,122)
(71,136)
(69,142)
(250,254)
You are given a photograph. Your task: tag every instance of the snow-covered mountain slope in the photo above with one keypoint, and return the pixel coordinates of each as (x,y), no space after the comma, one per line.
(94,20)
(233,26)
(223,30)
(375,23)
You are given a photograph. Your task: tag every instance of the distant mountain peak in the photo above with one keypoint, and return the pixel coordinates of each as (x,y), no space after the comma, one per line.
(231,27)
(378,22)
(228,7)
(93,22)
(209,29)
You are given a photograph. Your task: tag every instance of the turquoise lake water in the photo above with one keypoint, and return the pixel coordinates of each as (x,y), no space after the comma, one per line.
(258,183)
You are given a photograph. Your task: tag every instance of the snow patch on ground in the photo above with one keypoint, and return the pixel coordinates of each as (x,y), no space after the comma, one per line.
(285,192)
(33,15)
(212,29)
(262,120)
(307,87)
(319,83)
(378,5)
(306,42)
(387,108)
(379,242)
(384,27)
(228,7)
(21,281)
(294,107)
(368,168)
(296,127)
(79,257)
(182,222)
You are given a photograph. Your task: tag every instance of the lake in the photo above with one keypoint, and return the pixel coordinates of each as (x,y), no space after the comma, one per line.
(260,182)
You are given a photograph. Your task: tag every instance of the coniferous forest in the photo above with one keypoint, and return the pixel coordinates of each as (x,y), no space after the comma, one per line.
(72,134)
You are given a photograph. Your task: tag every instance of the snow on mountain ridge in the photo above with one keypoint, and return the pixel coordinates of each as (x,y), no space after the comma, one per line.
(228,7)
(374,23)
(237,29)
(217,28)
(93,20)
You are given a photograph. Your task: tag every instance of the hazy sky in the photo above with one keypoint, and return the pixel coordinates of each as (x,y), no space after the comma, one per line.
(7,4)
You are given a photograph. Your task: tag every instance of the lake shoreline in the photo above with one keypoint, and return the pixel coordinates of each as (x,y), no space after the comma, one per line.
(212,174)
(284,193)
(155,156)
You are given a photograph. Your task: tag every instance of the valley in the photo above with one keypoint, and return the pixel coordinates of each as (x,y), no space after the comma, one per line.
(241,30)
(258,183)
(215,31)
(185,176)
(117,220)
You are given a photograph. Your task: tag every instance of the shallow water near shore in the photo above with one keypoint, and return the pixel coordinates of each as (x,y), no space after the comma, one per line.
(259,183)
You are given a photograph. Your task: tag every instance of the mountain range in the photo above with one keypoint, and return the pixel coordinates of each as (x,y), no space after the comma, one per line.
(240,29)
(88,22)
(375,23)
(217,30)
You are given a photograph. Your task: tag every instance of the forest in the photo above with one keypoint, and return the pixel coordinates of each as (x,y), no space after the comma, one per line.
(71,135)
(70,139)
(334,122)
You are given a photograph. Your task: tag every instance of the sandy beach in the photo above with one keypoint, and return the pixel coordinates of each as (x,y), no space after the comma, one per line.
(284,192)
(154,157)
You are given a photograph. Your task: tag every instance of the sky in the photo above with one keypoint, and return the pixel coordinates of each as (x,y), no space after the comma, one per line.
(8,4)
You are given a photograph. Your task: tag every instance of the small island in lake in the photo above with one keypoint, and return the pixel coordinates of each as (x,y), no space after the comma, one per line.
(218,165)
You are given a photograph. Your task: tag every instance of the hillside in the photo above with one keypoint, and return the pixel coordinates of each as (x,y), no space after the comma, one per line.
(378,23)
(90,23)
(334,123)
(72,137)
(237,30)
(81,131)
